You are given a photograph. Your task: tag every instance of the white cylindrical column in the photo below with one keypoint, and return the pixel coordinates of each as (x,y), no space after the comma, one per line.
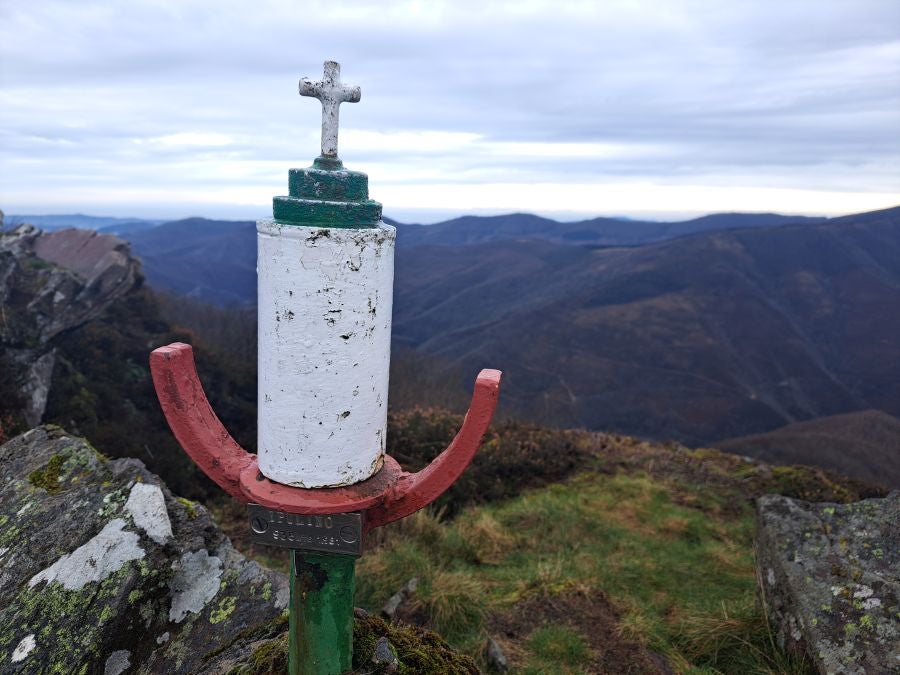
(325,300)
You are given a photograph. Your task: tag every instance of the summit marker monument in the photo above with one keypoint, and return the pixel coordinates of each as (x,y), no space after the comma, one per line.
(321,478)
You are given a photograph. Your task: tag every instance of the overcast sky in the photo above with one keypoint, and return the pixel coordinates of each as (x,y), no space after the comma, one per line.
(569,109)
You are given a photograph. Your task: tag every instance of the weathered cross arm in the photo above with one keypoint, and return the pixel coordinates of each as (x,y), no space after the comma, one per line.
(331,92)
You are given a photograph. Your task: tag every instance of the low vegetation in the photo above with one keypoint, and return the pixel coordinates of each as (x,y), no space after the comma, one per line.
(101,389)
(603,554)
(513,456)
(667,579)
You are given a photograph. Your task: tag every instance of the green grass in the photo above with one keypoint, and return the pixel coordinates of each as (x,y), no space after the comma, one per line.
(682,578)
(556,647)
(583,552)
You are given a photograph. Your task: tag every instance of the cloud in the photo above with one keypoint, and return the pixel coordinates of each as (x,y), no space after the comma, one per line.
(188,98)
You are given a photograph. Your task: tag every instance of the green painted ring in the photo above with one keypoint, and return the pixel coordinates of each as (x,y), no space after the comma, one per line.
(315,213)
(338,186)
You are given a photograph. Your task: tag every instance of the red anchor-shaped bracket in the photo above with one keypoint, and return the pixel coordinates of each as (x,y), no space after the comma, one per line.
(389,495)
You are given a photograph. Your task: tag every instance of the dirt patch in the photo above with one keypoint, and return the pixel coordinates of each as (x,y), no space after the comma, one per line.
(593,616)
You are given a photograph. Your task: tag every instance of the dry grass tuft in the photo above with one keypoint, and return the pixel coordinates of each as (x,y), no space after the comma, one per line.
(455,601)
(490,540)
(635,626)
(734,637)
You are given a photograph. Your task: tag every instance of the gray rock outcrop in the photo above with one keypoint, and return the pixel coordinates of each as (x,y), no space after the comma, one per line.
(51,283)
(102,570)
(830,576)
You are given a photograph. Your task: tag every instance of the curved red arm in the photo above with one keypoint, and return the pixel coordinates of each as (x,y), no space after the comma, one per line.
(416,490)
(192,420)
(387,496)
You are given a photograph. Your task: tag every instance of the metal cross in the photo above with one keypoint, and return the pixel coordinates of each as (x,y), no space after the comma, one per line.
(331,93)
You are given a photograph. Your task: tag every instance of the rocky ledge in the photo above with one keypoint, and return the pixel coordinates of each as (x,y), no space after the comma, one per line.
(49,284)
(103,570)
(830,575)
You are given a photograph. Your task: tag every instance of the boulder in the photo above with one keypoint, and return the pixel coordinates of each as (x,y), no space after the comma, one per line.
(51,283)
(830,577)
(103,570)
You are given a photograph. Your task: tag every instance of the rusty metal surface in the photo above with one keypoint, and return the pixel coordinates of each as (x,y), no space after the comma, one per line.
(357,497)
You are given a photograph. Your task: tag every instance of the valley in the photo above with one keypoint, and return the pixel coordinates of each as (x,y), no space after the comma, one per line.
(742,326)
(745,324)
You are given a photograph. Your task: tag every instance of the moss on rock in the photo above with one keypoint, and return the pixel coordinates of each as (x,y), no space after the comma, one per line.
(419,651)
(83,580)
(269,659)
(47,478)
(190,507)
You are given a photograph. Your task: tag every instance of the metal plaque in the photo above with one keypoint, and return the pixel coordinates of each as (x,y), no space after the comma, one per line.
(334,533)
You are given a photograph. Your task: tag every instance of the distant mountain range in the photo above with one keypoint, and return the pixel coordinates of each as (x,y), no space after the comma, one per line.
(594,232)
(215,260)
(700,338)
(210,260)
(700,331)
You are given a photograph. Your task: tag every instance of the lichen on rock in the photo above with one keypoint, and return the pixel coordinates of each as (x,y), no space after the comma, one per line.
(830,576)
(109,573)
(95,560)
(194,583)
(147,507)
(96,570)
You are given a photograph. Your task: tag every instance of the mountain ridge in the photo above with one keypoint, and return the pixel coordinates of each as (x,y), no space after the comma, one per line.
(770,329)
(600,231)
(179,255)
(698,338)
(850,443)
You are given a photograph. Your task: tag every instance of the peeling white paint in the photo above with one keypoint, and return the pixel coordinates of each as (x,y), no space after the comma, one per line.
(194,584)
(23,649)
(147,507)
(95,560)
(325,302)
(117,663)
(162,639)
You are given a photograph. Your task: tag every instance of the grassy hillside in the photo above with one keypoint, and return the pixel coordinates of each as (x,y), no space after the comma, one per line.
(603,554)
(854,444)
(752,322)
(701,338)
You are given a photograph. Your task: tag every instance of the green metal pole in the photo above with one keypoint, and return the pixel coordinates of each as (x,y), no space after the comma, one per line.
(321,613)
